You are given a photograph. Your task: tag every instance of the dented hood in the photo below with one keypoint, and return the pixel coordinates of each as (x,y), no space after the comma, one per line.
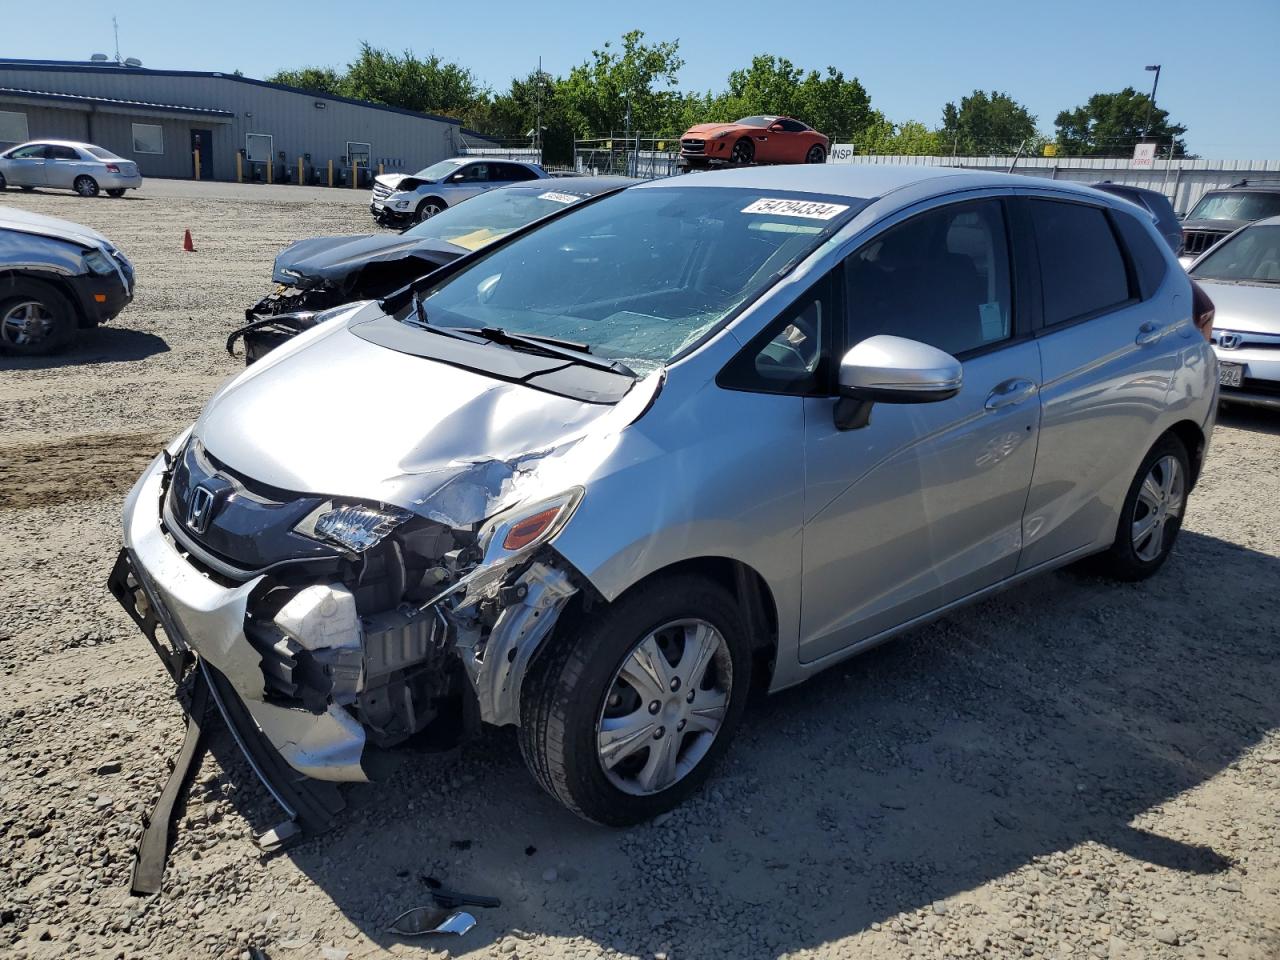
(333,258)
(333,414)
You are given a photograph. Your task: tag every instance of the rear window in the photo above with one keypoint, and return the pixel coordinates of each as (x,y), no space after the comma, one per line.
(1149,262)
(102,154)
(1081,268)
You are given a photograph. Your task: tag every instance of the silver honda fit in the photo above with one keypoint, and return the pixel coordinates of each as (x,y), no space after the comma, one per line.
(598,480)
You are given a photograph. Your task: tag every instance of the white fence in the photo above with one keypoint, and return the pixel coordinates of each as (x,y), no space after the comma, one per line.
(1183,181)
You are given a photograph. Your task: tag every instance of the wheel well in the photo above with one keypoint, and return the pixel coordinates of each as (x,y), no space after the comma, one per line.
(54,280)
(1192,438)
(433,199)
(753,595)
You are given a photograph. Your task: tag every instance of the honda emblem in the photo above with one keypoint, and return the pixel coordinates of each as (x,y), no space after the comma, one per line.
(1229,341)
(200,509)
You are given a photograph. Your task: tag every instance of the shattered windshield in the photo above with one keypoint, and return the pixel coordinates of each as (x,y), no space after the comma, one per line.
(489,216)
(1236,206)
(1253,254)
(639,275)
(438,170)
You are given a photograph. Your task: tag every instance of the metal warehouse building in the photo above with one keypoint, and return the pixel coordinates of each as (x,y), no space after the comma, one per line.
(162,118)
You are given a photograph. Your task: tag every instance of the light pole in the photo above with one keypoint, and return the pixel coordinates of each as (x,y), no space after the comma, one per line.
(1152,102)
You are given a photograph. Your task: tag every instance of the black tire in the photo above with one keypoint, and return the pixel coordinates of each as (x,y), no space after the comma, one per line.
(815,155)
(26,189)
(4,185)
(115,192)
(86,186)
(425,211)
(744,151)
(14,292)
(1123,560)
(563,697)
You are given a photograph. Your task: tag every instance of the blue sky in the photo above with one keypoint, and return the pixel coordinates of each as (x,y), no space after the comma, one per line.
(1221,61)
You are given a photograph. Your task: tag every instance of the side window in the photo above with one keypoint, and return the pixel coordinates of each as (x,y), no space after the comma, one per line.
(516,172)
(33,152)
(941,278)
(1082,270)
(475,173)
(791,355)
(792,126)
(62,153)
(1149,262)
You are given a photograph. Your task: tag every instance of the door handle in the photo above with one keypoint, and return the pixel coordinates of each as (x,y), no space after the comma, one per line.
(1148,333)
(1011,392)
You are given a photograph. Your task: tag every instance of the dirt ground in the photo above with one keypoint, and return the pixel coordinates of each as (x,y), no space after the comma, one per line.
(1073,769)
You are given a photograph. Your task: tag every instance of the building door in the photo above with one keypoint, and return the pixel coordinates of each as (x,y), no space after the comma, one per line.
(202,143)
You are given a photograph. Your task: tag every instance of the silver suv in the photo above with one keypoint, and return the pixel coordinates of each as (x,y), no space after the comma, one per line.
(399,199)
(67,165)
(701,435)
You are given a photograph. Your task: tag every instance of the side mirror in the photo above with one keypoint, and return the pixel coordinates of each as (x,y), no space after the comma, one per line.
(776,128)
(886,369)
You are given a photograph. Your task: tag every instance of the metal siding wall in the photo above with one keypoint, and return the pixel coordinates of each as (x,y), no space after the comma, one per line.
(293,121)
(48,123)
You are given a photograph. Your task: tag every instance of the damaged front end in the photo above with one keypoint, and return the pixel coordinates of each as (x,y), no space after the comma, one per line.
(337,628)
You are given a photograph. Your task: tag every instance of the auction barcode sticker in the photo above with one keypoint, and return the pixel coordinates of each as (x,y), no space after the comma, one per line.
(809,209)
(558,197)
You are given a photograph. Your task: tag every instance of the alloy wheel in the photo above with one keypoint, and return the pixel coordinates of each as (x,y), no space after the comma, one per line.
(428,210)
(26,323)
(743,152)
(1160,501)
(664,707)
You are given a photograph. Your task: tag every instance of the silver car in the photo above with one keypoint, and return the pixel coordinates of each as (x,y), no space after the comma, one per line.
(1242,277)
(65,165)
(399,199)
(707,434)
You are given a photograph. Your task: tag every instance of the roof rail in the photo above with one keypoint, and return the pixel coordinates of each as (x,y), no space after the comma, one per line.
(1247,182)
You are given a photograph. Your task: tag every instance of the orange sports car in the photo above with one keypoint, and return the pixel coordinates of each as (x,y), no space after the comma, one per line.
(753,140)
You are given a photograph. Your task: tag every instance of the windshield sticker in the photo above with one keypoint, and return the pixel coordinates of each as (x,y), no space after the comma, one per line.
(558,197)
(809,209)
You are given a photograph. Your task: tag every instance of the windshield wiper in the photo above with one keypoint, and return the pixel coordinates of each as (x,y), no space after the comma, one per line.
(418,320)
(551,347)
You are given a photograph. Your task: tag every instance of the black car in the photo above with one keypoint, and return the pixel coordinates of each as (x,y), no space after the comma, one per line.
(1221,212)
(1155,203)
(325,272)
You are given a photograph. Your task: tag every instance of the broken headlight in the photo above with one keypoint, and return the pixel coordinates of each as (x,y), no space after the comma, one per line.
(100,263)
(354,526)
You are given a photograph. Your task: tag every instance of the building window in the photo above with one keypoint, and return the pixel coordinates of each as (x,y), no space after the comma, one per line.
(148,138)
(13,127)
(257,147)
(358,153)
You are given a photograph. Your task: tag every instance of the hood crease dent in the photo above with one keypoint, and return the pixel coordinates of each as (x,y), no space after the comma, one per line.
(351,419)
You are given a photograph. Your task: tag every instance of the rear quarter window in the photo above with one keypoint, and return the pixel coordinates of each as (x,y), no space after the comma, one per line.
(1149,262)
(1082,270)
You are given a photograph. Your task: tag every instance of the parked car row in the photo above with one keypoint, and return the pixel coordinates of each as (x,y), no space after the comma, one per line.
(895,434)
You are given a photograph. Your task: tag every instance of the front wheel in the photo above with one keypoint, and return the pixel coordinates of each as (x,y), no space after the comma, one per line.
(35,317)
(624,715)
(115,192)
(744,151)
(429,208)
(1152,514)
(86,186)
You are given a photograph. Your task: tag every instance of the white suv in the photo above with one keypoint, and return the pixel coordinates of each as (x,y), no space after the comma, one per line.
(400,199)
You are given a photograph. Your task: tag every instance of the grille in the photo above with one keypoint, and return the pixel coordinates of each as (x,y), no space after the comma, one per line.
(381,191)
(693,146)
(1195,242)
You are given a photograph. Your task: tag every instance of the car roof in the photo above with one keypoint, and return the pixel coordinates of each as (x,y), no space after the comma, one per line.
(59,143)
(1264,222)
(861,181)
(588,186)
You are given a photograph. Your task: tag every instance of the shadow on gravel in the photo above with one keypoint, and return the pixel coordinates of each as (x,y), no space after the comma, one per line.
(97,345)
(1256,419)
(1051,716)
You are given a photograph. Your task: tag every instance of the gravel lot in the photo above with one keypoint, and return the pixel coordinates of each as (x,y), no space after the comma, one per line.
(1072,769)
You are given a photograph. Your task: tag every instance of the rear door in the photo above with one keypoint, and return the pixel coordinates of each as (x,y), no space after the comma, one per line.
(25,166)
(923,506)
(62,166)
(1108,367)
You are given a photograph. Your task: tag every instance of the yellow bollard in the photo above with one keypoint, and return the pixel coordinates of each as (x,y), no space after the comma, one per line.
(380,170)
(301,176)
(355,173)
(271,170)
(331,173)
(195,155)
(239,167)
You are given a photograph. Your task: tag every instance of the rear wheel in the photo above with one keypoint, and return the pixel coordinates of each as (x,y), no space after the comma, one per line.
(1152,514)
(4,184)
(115,192)
(815,155)
(35,317)
(86,186)
(624,716)
(429,208)
(744,151)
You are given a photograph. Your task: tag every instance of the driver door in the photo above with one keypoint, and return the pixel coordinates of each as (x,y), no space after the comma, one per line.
(469,181)
(923,505)
(26,166)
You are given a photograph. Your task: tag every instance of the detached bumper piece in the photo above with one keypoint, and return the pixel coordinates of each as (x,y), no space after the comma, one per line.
(263,335)
(312,804)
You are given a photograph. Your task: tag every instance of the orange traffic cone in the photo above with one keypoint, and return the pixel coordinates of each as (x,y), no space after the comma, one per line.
(187,245)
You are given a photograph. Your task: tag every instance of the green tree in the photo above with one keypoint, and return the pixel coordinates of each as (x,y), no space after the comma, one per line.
(1111,123)
(317,79)
(636,77)
(828,101)
(515,113)
(428,85)
(908,139)
(987,124)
